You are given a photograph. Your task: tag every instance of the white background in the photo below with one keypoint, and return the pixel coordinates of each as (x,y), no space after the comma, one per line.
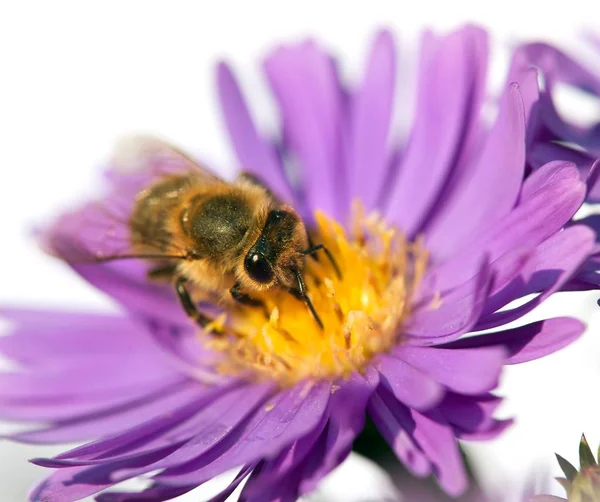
(76,75)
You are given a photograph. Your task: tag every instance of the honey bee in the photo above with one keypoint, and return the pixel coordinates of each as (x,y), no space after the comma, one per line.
(227,239)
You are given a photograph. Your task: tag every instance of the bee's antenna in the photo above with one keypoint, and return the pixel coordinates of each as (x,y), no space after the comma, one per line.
(313,249)
(102,259)
(301,294)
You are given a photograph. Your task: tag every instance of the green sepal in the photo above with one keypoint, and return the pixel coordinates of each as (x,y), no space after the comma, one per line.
(567,467)
(585,486)
(566,484)
(586,457)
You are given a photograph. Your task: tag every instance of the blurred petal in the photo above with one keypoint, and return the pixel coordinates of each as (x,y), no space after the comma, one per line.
(469,413)
(358,479)
(394,422)
(556,66)
(255,154)
(437,440)
(347,409)
(305,83)
(451,74)
(371,112)
(217,410)
(525,75)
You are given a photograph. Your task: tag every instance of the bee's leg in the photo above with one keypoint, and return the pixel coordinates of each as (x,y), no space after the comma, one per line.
(314,248)
(188,304)
(300,293)
(311,244)
(243,298)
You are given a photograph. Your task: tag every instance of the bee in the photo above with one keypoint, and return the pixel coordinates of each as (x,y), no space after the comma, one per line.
(227,239)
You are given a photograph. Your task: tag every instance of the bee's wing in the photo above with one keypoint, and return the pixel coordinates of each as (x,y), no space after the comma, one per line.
(100,231)
(151,156)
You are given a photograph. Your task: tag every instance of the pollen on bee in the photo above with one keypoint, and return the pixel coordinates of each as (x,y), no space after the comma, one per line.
(217,325)
(362,312)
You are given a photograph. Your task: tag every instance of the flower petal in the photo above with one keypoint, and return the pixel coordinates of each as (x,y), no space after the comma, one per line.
(59,487)
(547,498)
(526,76)
(284,489)
(198,414)
(542,267)
(457,313)
(275,474)
(50,340)
(451,76)
(305,83)
(113,418)
(469,371)
(469,413)
(226,493)
(553,173)
(62,356)
(127,283)
(255,154)
(347,408)
(212,431)
(155,493)
(557,66)
(370,118)
(74,483)
(395,424)
(296,412)
(424,442)
(549,199)
(51,383)
(63,409)
(437,440)
(553,264)
(416,389)
(528,342)
(499,170)
(79,237)
(496,428)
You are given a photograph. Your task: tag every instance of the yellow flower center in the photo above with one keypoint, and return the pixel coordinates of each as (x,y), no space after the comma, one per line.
(362,312)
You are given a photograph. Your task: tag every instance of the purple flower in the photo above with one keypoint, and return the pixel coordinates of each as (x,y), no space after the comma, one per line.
(458,235)
(550,135)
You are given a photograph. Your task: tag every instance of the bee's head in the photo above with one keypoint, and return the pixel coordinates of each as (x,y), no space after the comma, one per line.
(272,259)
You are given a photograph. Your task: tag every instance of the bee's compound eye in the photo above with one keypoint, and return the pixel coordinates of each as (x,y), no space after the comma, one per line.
(258,268)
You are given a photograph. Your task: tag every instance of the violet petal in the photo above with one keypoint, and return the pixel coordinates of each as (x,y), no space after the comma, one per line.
(469,371)
(528,342)
(499,170)
(371,108)
(255,154)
